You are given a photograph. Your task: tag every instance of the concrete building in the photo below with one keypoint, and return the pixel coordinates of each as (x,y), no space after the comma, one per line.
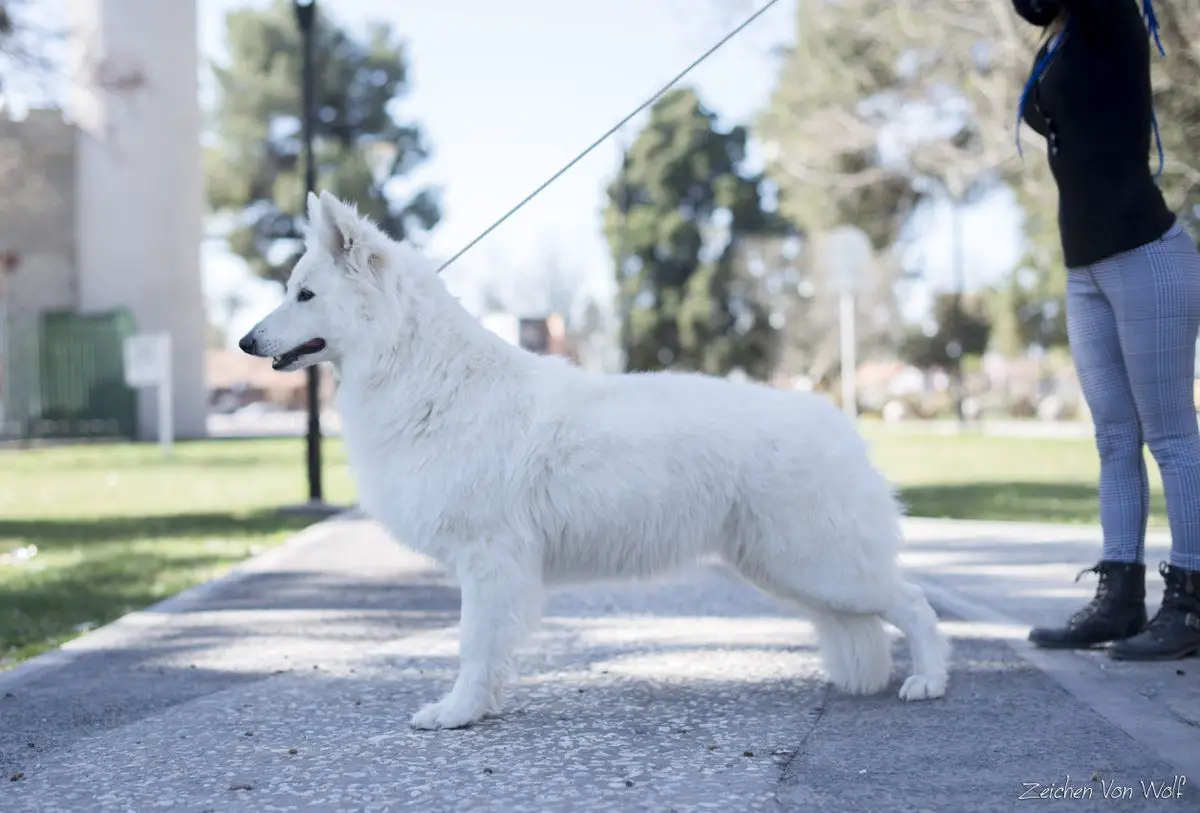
(37,213)
(103,206)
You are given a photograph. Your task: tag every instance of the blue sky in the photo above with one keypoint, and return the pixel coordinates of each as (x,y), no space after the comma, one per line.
(509,92)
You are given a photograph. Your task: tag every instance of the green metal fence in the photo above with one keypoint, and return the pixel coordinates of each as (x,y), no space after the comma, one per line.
(64,377)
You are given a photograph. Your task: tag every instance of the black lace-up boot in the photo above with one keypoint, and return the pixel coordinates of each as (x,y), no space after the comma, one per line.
(1174,632)
(1118,610)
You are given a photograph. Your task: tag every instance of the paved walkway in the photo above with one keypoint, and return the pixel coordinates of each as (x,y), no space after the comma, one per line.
(289,687)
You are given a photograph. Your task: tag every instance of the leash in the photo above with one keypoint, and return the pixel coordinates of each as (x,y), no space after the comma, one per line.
(609,133)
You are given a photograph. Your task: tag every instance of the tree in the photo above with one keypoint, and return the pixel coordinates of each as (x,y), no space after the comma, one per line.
(550,284)
(890,91)
(843,146)
(803,306)
(689,202)
(222,314)
(22,44)
(1028,309)
(254,166)
(885,104)
(821,145)
(560,284)
(952,334)
(29,69)
(1177,104)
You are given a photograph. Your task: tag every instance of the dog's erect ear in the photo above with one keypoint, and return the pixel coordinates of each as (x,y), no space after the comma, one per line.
(346,235)
(321,227)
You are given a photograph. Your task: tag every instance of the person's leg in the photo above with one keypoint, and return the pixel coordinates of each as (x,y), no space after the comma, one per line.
(1155,292)
(1118,609)
(1124,485)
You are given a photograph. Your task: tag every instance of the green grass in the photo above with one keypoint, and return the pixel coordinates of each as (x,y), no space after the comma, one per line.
(118,528)
(977,477)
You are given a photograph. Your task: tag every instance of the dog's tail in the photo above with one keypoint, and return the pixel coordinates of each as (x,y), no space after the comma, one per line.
(855,650)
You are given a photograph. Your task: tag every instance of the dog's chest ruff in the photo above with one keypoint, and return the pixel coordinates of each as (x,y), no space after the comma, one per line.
(421,491)
(398,492)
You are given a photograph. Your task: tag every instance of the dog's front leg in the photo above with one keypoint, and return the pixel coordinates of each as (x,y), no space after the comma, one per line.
(501,600)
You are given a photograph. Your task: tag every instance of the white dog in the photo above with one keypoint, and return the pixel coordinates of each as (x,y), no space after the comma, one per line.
(518,471)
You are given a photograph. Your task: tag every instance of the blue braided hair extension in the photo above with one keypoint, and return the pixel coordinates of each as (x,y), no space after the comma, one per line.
(1042,64)
(1152,24)
(1152,27)
(1039,68)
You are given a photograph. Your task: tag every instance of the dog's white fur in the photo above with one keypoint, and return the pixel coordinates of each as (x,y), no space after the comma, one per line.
(519,471)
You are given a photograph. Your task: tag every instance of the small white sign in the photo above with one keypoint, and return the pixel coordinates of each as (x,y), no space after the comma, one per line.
(848,256)
(146,359)
(148,364)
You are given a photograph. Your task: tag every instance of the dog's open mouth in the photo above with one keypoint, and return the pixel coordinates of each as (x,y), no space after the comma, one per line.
(290,357)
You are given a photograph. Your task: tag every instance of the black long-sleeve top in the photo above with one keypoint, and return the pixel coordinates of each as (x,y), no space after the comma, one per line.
(1093,105)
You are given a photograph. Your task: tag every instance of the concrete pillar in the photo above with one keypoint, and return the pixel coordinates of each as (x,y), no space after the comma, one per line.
(139,213)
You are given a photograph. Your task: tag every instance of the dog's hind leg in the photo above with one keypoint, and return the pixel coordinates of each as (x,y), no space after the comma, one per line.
(911,614)
(501,601)
(847,605)
(855,650)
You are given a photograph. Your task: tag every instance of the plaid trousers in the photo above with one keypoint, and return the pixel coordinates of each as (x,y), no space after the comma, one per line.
(1132,322)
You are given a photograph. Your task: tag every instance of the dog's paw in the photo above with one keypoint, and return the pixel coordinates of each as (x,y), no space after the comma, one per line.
(445,714)
(495,705)
(923,687)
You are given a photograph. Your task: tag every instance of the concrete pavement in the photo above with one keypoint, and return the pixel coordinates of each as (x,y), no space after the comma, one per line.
(288,686)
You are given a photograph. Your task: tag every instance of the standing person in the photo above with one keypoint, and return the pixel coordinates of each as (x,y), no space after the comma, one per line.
(1133,312)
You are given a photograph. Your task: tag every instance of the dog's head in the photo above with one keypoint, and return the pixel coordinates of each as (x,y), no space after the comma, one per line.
(345,283)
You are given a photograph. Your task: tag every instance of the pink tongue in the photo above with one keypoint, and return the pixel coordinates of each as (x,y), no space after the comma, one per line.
(315,344)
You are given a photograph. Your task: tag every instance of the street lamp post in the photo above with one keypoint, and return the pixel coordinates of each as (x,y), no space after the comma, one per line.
(306,12)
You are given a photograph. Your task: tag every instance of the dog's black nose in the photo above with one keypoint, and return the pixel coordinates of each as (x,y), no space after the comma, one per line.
(248,343)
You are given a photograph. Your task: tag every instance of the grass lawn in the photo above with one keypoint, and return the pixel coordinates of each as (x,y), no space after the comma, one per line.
(118,528)
(976,477)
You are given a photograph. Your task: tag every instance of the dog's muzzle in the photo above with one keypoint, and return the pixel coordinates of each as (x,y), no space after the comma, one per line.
(296,353)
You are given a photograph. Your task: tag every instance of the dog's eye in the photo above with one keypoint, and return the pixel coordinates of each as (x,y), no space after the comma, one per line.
(304,295)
